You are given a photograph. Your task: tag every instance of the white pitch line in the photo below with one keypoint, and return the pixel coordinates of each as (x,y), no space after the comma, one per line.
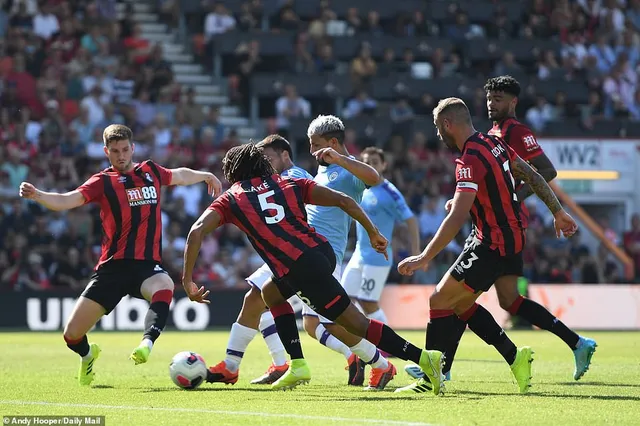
(223,412)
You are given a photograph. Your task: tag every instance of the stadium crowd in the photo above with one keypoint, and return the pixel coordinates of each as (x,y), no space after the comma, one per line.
(69,68)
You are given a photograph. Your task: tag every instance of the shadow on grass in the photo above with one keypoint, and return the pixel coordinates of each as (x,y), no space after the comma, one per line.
(102,387)
(581,383)
(556,395)
(202,389)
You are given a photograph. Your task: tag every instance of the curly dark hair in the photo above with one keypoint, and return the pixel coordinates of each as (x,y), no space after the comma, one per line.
(245,162)
(503,83)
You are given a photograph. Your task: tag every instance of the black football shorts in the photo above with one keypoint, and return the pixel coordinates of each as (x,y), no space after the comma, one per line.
(479,266)
(118,278)
(311,279)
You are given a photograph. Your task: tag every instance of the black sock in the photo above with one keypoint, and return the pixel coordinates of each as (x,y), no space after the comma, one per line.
(457,331)
(81,346)
(439,327)
(287,329)
(539,316)
(388,341)
(156,317)
(482,323)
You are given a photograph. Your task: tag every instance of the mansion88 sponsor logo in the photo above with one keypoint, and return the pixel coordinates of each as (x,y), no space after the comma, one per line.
(141,196)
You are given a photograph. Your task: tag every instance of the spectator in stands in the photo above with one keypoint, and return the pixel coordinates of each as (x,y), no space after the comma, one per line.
(363,67)
(538,115)
(360,104)
(290,106)
(218,21)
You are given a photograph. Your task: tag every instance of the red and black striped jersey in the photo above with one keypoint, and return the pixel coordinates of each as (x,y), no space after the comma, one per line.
(518,136)
(270,211)
(129,211)
(485,168)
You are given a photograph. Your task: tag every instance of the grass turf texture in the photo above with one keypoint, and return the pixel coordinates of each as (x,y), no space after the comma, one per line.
(38,378)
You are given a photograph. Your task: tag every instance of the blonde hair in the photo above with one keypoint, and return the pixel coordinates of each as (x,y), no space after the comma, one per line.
(454,109)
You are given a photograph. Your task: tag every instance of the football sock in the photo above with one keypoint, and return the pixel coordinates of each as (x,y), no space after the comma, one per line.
(270,334)
(287,329)
(156,317)
(80,346)
(369,354)
(454,341)
(330,341)
(537,315)
(239,340)
(443,333)
(482,323)
(378,316)
(388,340)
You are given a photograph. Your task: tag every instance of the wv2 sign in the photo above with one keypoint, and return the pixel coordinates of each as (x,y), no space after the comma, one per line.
(577,156)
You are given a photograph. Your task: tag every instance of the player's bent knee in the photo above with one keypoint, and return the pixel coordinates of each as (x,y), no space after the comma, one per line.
(156,283)
(271,295)
(310,324)
(353,321)
(252,308)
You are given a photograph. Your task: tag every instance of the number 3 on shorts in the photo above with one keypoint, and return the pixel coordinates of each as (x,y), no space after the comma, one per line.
(266,205)
(472,258)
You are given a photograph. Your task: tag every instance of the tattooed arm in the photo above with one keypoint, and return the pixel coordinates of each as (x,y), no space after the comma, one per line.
(545,168)
(522,170)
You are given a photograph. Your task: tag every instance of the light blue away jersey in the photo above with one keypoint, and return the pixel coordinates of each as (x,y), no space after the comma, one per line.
(297,173)
(385,205)
(332,222)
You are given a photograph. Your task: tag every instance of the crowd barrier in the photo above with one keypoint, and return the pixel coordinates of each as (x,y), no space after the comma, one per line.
(595,307)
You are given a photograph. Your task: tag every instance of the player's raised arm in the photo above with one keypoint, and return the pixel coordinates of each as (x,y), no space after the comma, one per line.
(323,196)
(362,171)
(185,176)
(563,222)
(206,223)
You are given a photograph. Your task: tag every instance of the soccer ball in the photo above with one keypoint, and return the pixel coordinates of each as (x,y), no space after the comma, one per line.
(188,370)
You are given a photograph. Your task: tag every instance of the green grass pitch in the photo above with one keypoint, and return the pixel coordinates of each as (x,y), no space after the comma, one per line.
(37,377)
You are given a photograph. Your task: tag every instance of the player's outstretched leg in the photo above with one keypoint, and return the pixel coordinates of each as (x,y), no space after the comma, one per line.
(85,315)
(285,321)
(158,290)
(482,323)
(510,300)
(383,337)
(242,333)
(279,363)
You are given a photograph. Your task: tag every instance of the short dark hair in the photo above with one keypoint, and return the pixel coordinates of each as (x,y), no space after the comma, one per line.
(373,150)
(116,132)
(503,83)
(245,162)
(277,143)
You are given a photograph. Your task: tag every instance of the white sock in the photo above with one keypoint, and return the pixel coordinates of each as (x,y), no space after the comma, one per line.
(368,352)
(148,343)
(324,337)
(270,334)
(239,340)
(378,316)
(88,356)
